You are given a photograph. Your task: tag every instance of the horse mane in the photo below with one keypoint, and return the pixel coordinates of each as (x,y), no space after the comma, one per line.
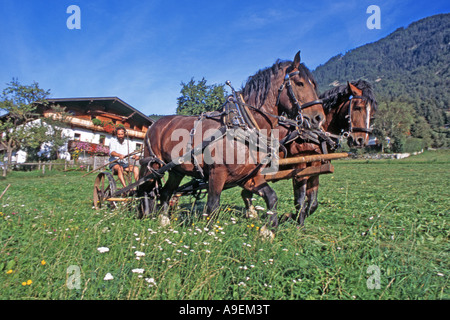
(257,88)
(332,97)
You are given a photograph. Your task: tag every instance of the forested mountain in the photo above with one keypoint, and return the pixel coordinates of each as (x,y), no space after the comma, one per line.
(411,65)
(409,72)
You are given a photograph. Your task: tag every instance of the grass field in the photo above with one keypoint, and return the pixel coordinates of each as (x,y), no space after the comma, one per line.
(381,232)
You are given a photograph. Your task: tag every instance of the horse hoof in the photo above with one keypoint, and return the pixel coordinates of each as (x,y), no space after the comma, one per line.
(164,221)
(267,234)
(251,213)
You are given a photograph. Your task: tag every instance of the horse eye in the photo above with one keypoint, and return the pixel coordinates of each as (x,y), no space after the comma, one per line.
(300,83)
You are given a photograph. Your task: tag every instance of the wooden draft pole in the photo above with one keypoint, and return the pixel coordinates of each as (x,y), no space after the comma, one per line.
(312,158)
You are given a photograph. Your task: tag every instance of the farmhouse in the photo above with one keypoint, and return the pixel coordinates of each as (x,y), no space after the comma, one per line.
(91,124)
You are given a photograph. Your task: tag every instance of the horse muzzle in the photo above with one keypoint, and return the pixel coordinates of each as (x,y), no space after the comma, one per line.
(314,121)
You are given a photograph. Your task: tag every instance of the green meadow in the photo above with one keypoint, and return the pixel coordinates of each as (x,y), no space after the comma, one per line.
(381,232)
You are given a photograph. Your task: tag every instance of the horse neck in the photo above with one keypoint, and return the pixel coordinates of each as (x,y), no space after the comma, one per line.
(264,117)
(335,119)
(268,109)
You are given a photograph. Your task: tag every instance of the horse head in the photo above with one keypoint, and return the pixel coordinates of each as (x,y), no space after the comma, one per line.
(349,109)
(297,95)
(359,112)
(288,88)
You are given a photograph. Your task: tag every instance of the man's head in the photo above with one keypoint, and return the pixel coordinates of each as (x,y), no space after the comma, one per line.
(120,133)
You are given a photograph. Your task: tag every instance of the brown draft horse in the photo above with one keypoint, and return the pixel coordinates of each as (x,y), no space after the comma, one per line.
(348,109)
(286,88)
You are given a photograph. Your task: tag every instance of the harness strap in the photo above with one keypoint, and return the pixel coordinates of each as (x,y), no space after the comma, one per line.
(349,116)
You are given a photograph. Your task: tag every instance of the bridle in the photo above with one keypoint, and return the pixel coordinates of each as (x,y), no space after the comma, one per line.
(287,84)
(352,129)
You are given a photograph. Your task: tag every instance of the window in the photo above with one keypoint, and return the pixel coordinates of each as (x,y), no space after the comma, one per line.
(77,137)
(102,139)
(138,146)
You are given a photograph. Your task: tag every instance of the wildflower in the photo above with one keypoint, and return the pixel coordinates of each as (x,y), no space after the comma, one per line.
(108,277)
(139,254)
(9,271)
(103,249)
(43,262)
(138,270)
(151,282)
(27,283)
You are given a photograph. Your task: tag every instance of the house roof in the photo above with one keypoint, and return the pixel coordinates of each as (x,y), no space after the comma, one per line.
(109,104)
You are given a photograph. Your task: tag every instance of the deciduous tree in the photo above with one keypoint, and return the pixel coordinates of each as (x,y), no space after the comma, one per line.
(199,97)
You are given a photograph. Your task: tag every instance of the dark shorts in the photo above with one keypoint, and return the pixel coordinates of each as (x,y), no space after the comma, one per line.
(122,164)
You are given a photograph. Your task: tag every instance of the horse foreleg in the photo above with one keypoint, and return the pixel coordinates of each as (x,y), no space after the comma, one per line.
(299,186)
(312,193)
(216,183)
(258,185)
(250,211)
(166,193)
(271,199)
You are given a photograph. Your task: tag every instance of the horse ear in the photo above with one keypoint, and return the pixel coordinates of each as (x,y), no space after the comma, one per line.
(296,62)
(353,90)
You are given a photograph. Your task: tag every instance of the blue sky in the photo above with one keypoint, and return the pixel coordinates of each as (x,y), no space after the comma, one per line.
(140,51)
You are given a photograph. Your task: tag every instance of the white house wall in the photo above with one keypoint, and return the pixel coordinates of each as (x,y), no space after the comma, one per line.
(85,135)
